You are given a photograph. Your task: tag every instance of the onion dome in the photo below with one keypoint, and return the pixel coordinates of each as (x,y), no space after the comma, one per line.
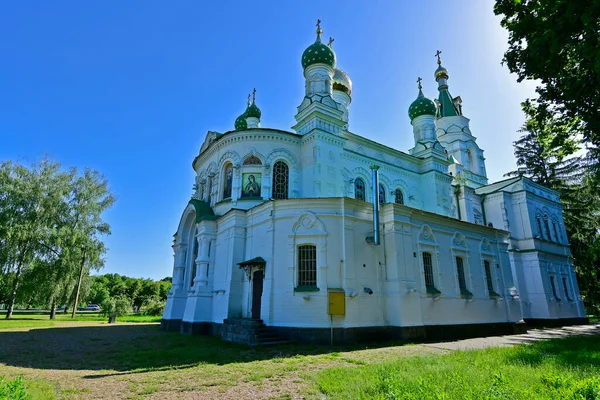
(421,106)
(318,52)
(240,122)
(341,81)
(440,72)
(253,111)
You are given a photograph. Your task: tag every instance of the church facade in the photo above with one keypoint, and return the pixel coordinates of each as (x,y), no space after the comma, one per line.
(325,235)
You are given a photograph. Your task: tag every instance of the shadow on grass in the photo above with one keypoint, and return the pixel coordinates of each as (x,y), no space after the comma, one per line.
(136,349)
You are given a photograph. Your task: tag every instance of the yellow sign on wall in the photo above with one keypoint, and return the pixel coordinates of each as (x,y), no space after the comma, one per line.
(337,302)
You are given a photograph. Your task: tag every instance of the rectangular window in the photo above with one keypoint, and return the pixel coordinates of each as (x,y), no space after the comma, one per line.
(428,269)
(460,269)
(307,265)
(566,288)
(488,276)
(553,284)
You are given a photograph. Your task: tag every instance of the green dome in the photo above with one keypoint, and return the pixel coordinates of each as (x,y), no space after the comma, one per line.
(240,122)
(253,111)
(318,53)
(421,106)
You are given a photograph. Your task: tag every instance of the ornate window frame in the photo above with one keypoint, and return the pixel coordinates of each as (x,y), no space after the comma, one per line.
(488,255)
(460,249)
(427,243)
(308,229)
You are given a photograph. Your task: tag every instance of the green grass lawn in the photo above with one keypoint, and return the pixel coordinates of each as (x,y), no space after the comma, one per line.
(91,359)
(23,319)
(557,369)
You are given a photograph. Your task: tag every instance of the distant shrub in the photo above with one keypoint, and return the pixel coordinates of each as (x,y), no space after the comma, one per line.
(119,305)
(13,389)
(155,307)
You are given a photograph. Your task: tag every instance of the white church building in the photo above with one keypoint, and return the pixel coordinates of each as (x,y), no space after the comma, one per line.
(320,234)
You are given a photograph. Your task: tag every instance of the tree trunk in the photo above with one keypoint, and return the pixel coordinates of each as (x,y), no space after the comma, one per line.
(13,296)
(79,284)
(53,309)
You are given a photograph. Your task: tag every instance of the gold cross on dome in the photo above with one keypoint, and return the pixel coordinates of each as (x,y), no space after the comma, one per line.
(248,99)
(254,95)
(319,31)
(331,40)
(437,54)
(419,82)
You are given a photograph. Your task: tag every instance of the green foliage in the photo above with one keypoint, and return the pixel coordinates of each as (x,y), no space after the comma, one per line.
(557,42)
(155,307)
(119,305)
(556,369)
(13,389)
(50,230)
(141,291)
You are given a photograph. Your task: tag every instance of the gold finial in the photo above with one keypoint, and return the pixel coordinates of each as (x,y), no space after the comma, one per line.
(248,100)
(437,54)
(319,31)
(254,96)
(419,82)
(331,40)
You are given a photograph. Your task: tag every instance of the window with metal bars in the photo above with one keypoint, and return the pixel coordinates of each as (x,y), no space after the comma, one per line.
(398,196)
(553,285)
(307,265)
(381,194)
(460,269)
(359,189)
(428,270)
(488,276)
(566,288)
(281,174)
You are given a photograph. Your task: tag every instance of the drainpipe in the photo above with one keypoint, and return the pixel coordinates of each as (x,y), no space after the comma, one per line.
(483,209)
(456,193)
(375,174)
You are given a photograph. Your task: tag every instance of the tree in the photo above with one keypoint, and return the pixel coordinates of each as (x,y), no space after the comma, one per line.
(28,209)
(89,199)
(558,43)
(50,222)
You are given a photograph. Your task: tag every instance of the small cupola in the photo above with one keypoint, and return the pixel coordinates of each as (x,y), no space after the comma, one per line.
(318,52)
(422,105)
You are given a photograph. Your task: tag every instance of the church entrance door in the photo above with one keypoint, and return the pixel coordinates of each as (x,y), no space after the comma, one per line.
(257,289)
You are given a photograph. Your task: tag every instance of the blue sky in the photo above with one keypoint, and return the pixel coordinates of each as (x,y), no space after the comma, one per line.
(131,88)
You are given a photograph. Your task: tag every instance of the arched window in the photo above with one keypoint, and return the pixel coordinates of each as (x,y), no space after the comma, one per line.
(547,226)
(281,174)
(398,196)
(381,194)
(194,256)
(252,160)
(227,181)
(307,265)
(538,220)
(359,189)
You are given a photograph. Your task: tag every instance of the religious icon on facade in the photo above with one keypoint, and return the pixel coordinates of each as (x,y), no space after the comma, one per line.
(251,185)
